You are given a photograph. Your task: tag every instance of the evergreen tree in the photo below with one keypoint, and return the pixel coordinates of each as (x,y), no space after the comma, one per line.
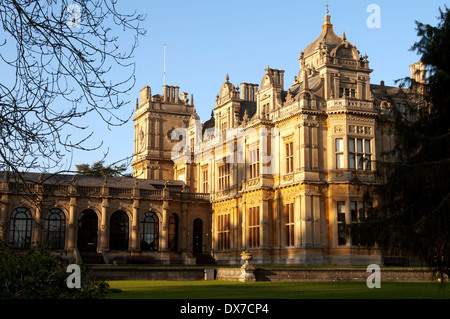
(413,216)
(99,169)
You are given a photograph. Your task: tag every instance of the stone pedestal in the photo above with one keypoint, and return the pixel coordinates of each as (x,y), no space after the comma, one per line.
(247,270)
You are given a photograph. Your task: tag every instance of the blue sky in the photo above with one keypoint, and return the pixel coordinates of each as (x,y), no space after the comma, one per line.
(205,40)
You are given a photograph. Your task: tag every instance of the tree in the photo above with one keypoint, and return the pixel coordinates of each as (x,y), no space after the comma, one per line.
(99,169)
(414,212)
(56,59)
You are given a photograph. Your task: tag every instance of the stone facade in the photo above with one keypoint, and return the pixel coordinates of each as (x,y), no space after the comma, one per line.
(273,171)
(288,169)
(122,220)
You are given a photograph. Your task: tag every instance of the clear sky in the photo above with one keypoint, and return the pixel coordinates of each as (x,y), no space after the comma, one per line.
(205,40)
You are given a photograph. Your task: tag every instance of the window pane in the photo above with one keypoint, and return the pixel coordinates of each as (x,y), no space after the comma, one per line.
(353,211)
(367,146)
(359,158)
(351,161)
(339,160)
(339,145)
(359,146)
(351,145)
(368,163)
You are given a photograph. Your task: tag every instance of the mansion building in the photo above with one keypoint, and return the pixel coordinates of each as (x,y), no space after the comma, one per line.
(278,172)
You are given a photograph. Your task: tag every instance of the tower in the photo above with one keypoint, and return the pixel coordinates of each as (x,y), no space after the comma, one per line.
(156,118)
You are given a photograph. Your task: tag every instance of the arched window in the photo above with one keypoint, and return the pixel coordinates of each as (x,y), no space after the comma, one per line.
(118,234)
(149,231)
(20,229)
(55,228)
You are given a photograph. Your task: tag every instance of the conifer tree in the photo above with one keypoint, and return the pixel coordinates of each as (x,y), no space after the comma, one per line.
(413,216)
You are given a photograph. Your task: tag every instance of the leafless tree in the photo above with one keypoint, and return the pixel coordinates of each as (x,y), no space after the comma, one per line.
(57,59)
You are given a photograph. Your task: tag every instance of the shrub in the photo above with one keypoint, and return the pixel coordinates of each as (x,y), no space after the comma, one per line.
(37,274)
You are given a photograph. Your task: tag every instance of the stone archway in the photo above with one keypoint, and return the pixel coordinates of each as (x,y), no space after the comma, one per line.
(87,231)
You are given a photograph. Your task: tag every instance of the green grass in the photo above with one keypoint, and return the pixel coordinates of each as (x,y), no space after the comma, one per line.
(153,289)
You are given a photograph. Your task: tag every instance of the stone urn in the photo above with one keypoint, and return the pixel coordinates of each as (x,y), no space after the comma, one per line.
(246,257)
(247,270)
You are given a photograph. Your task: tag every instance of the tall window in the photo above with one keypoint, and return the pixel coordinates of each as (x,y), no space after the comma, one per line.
(253,227)
(205,181)
(192,146)
(289,157)
(339,153)
(223,128)
(359,154)
(55,228)
(224,176)
(20,229)
(118,233)
(359,211)
(342,238)
(254,163)
(149,231)
(223,231)
(289,215)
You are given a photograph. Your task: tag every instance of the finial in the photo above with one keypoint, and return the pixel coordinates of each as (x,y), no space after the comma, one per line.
(343,36)
(227,77)
(327,6)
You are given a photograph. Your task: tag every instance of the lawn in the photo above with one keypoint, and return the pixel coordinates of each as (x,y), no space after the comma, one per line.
(274,290)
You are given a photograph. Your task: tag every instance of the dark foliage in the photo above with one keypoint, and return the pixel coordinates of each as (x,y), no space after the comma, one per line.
(36,274)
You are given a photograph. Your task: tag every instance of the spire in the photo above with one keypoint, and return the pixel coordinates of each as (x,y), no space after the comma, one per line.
(343,36)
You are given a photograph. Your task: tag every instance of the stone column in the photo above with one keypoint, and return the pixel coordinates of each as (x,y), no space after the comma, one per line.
(299,159)
(305,146)
(214,235)
(244,226)
(299,225)
(36,235)
(305,211)
(164,243)
(183,247)
(359,89)
(316,221)
(315,147)
(265,223)
(277,220)
(337,85)
(103,244)
(73,226)
(135,226)
(4,216)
